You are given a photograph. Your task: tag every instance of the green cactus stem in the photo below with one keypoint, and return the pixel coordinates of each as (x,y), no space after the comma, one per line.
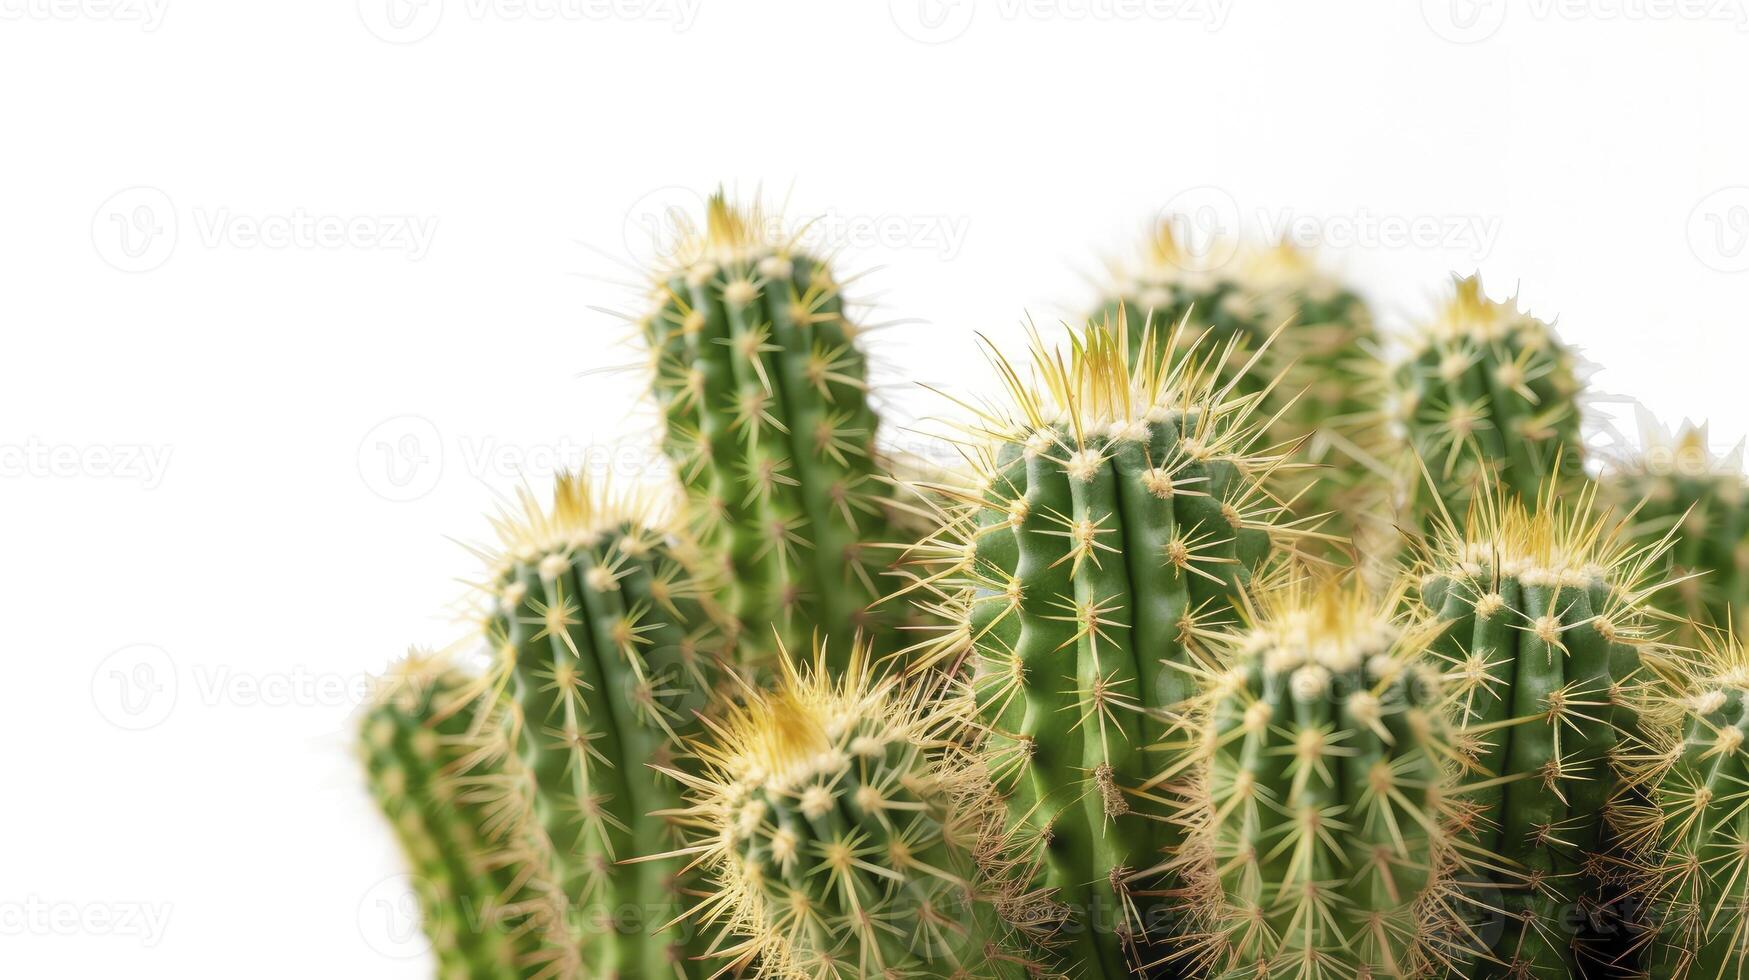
(838,831)
(1548,649)
(439,755)
(607,642)
(1677,482)
(1486,392)
(762,382)
(1116,514)
(1325,833)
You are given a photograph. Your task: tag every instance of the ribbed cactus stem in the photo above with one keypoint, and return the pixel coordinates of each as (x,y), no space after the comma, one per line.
(1487,392)
(439,753)
(609,643)
(764,392)
(1325,833)
(1118,514)
(838,831)
(1545,646)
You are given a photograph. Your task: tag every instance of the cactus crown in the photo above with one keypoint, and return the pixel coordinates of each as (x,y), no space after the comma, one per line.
(836,827)
(1322,844)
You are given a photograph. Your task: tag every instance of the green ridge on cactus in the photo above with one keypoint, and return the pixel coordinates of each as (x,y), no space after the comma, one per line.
(1694,835)
(1323,355)
(1486,392)
(1324,839)
(1677,482)
(1547,649)
(608,644)
(838,831)
(764,393)
(1116,515)
(443,770)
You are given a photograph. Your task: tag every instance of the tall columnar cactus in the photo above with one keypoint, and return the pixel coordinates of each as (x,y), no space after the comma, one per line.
(1486,391)
(763,387)
(838,826)
(438,752)
(1117,514)
(1317,378)
(1694,836)
(1325,838)
(1676,482)
(608,645)
(1547,646)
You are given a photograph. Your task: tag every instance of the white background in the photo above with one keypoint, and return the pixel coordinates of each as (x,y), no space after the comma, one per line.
(331,408)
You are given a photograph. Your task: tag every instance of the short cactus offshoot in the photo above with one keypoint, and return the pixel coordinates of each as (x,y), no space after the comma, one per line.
(1316,377)
(442,766)
(1487,392)
(1115,515)
(607,642)
(1324,838)
(764,393)
(838,833)
(1547,649)
(1695,832)
(1677,482)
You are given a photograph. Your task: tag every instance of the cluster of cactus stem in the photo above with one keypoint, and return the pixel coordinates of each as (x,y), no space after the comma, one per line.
(1317,369)
(1095,705)
(1678,483)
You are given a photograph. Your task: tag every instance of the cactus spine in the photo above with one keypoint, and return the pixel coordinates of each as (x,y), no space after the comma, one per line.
(1487,392)
(1316,378)
(441,765)
(607,643)
(1546,647)
(764,393)
(1324,838)
(1117,512)
(838,831)
(1678,483)
(1696,829)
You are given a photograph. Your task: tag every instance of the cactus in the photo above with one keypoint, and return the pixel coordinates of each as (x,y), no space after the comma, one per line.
(441,766)
(764,393)
(1485,392)
(1693,837)
(1678,483)
(607,641)
(1116,513)
(1548,649)
(1315,380)
(1324,836)
(838,831)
